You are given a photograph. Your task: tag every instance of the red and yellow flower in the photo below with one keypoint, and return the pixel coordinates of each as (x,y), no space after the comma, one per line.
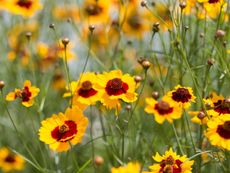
(171,162)
(62,131)
(26,94)
(182,96)
(84,90)
(115,87)
(218,131)
(131,167)
(26,8)
(163,110)
(9,161)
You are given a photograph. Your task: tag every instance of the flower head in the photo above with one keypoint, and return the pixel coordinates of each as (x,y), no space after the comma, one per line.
(26,8)
(218,131)
(26,94)
(63,130)
(115,87)
(131,167)
(84,90)
(9,161)
(163,110)
(170,162)
(182,96)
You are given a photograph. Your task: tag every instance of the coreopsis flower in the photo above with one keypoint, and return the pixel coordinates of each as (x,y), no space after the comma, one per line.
(9,161)
(137,21)
(67,12)
(51,54)
(25,8)
(115,87)
(163,110)
(26,94)
(183,96)
(170,162)
(64,130)
(190,6)
(131,167)
(217,105)
(96,11)
(212,7)
(162,16)
(84,90)
(18,43)
(218,131)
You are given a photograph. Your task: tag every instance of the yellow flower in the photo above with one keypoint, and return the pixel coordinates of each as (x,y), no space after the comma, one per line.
(18,42)
(115,87)
(182,96)
(26,8)
(212,7)
(163,110)
(162,16)
(84,90)
(190,6)
(51,54)
(170,162)
(9,161)
(217,105)
(137,22)
(131,167)
(63,130)
(26,94)
(66,12)
(96,11)
(218,131)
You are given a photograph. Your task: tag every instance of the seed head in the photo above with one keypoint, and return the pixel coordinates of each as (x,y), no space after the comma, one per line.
(146,64)
(155,95)
(65,41)
(2,84)
(137,79)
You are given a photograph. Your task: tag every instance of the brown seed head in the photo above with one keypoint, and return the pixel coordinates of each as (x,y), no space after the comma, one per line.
(91,28)
(182,5)
(52,26)
(201,115)
(143,3)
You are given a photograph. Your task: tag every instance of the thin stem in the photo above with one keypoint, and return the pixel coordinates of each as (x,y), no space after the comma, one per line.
(177,139)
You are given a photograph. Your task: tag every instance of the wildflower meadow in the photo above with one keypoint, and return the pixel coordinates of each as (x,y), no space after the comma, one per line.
(115,86)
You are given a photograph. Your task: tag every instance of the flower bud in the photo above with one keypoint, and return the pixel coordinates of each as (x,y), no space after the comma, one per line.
(98,160)
(155,95)
(146,64)
(137,79)
(2,84)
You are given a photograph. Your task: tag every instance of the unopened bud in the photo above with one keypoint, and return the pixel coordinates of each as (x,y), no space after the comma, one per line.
(137,79)
(220,33)
(143,3)
(91,28)
(2,84)
(52,26)
(155,95)
(146,64)
(128,107)
(182,5)
(156,27)
(201,115)
(98,160)
(211,61)
(28,35)
(65,41)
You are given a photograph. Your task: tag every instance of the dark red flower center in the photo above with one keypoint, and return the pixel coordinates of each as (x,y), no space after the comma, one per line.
(116,87)
(10,158)
(222,107)
(163,108)
(24,94)
(213,1)
(181,95)
(86,90)
(224,130)
(25,3)
(65,132)
(93,9)
(169,165)
(134,21)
